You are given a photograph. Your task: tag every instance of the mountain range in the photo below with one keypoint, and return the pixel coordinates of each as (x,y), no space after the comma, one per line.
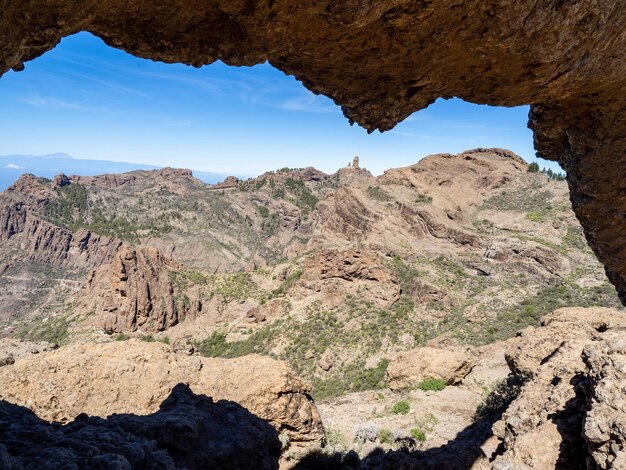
(348,310)
(13,166)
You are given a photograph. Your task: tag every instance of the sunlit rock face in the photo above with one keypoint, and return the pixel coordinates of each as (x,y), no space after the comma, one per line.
(567,59)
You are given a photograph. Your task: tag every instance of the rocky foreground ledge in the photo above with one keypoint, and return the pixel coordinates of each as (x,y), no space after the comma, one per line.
(136,377)
(563,406)
(188,431)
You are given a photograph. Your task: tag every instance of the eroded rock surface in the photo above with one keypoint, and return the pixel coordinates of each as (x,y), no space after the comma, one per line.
(135,291)
(135,376)
(186,431)
(604,426)
(572,398)
(408,369)
(341,273)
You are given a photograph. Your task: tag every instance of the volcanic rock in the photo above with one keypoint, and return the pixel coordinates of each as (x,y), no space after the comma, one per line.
(185,431)
(408,369)
(408,55)
(604,426)
(229,182)
(339,273)
(135,291)
(135,376)
(572,398)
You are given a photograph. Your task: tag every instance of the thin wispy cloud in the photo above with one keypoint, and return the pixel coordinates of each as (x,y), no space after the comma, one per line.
(411,134)
(42,102)
(114,86)
(307,103)
(13,166)
(443,123)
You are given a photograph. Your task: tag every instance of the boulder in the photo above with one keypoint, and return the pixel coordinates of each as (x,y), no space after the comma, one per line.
(186,431)
(572,406)
(135,376)
(409,368)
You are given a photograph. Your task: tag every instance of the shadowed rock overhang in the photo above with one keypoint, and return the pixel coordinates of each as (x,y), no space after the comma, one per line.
(382,60)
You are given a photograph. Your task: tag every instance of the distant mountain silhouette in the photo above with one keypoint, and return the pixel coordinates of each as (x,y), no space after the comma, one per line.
(13,166)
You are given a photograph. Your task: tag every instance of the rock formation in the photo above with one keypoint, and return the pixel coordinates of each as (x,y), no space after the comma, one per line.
(408,369)
(339,274)
(567,61)
(571,406)
(135,291)
(135,376)
(186,431)
(229,183)
(604,426)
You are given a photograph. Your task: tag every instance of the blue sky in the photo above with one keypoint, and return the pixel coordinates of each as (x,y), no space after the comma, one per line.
(91,101)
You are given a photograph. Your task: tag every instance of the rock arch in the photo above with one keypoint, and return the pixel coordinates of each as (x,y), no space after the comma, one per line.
(382,60)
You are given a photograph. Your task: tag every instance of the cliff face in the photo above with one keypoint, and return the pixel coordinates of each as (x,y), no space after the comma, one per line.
(134,291)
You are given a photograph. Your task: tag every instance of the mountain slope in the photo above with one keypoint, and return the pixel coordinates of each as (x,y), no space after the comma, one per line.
(331,272)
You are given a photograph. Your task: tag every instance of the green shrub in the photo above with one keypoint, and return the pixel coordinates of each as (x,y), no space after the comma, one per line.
(432,384)
(148,338)
(121,337)
(533,167)
(423,199)
(354,378)
(378,194)
(418,434)
(53,330)
(217,346)
(385,436)
(289,281)
(539,215)
(334,438)
(401,408)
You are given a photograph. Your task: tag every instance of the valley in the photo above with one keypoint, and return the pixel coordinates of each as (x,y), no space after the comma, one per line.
(344,279)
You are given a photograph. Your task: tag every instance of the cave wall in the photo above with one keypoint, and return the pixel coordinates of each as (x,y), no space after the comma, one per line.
(381,60)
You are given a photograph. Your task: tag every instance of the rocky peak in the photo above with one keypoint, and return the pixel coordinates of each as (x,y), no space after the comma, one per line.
(134,291)
(60,181)
(229,182)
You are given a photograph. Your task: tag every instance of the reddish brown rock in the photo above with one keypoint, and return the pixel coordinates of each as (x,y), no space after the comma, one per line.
(338,273)
(135,291)
(567,60)
(228,183)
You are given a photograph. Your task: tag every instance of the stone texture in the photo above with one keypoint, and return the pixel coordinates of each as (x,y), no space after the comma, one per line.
(135,291)
(409,368)
(187,431)
(340,273)
(574,388)
(605,423)
(16,348)
(135,376)
(567,60)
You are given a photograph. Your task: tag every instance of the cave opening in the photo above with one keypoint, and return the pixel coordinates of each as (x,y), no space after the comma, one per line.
(350,281)
(91,101)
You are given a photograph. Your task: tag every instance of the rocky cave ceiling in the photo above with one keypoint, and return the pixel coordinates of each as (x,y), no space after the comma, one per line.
(381,60)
